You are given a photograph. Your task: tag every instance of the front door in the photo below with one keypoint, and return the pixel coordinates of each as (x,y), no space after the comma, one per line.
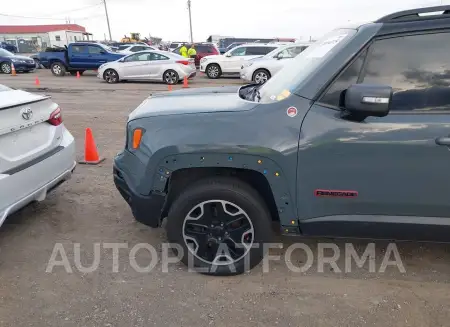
(233,62)
(96,56)
(393,169)
(137,66)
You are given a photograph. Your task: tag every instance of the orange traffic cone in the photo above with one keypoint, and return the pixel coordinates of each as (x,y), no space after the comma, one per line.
(91,156)
(78,74)
(170,87)
(37,82)
(13,70)
(185,82)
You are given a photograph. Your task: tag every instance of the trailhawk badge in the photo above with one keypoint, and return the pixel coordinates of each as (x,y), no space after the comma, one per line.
(291,111)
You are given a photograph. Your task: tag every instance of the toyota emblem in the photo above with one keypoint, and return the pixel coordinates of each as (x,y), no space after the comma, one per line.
(27,113)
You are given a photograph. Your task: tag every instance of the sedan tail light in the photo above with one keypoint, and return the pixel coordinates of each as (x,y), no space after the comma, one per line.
(55,117)
(184,62)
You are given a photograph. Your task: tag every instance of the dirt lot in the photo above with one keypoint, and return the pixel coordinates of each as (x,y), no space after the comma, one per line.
(88,210)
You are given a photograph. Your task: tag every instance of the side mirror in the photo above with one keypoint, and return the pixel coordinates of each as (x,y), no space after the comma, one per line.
(368,100)
(228,54)
(280,56)
(102,52)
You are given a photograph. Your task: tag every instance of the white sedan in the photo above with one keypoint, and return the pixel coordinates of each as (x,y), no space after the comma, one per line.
(37,153)
(133,48)
(167,67)
(259,70)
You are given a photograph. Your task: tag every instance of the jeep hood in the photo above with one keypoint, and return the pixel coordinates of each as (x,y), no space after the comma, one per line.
(201,100)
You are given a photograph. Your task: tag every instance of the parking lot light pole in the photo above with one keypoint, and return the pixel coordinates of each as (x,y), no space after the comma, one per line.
(190,20)
(107,20)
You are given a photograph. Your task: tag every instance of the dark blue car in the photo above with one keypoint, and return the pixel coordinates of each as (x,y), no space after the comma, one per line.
(21,63)
(8,47)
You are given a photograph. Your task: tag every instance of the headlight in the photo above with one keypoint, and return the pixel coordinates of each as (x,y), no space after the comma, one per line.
(18,60)
(203,59)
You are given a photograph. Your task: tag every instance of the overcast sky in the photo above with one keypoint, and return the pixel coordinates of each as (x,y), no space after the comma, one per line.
(169,19)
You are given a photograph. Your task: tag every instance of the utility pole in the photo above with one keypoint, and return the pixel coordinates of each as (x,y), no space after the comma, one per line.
(107,20)
(190,20)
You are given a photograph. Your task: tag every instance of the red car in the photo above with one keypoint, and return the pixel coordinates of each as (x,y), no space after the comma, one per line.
(203,50)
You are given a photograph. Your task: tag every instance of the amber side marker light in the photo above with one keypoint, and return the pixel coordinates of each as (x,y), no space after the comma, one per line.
(137,137)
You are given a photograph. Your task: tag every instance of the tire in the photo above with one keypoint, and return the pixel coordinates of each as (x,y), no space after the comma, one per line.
(111,76)
(5,67)
(170,77)
(213,71)
(254,225)
(260,76)
(58,69)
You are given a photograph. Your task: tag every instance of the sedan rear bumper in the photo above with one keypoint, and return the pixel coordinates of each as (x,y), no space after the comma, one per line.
(33,183)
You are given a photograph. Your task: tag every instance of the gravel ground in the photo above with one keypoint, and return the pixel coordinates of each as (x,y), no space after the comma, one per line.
(87,210)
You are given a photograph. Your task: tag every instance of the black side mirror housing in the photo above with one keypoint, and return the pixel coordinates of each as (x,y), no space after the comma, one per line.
(368,100)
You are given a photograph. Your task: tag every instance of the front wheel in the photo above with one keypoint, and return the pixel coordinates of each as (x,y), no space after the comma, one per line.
(261,76)
(5,68)
(213,71)
(221,225)
(58,69)
(171,77)
(111,76)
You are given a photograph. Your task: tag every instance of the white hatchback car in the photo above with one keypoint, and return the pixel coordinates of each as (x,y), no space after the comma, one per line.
(259,70)
(230,63)
(155,65)
(37,153)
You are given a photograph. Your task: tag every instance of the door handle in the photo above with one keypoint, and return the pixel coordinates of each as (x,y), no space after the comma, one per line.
(443,140)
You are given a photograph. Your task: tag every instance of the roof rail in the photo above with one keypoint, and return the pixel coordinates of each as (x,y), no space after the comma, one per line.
(414,14)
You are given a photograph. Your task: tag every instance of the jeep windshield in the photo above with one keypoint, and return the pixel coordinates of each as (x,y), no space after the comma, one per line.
(297,71)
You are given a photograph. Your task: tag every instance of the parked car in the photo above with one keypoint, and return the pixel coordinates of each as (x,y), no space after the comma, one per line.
(78,57)
(21,63)
(203,50)
(155,65)
(174,45)
(132,48)
(37,153)
(260,70)
(231,62)
(349,139)
(8,47)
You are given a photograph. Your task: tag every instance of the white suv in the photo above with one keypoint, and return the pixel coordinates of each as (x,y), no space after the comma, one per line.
(37,153)
(259,70)
(230,62)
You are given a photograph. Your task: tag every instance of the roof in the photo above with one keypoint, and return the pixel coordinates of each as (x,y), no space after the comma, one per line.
(21,29)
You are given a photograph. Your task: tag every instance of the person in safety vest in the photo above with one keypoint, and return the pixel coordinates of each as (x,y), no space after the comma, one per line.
(184,51)
(192,52)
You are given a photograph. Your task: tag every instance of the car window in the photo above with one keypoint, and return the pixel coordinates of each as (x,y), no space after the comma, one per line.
(239,51)
(146,56)
(94,49)
(157,56)
(417,67)
(204,48)
(349,76)
(291,52)
(259,51)
(78,49)
(123,47)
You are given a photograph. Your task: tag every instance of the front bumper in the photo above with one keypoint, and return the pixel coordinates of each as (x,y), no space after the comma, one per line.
(21,67)
(146,209)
